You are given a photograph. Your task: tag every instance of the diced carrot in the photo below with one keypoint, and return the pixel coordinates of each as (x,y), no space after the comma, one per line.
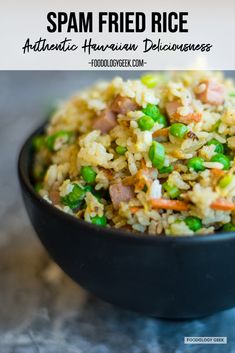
(134,209)
(217,172)
(194,117)
(143,164)
(140,185)
(108,173)
(187,119)
(175,205)
(223,205)
(145,170)
(129,180)
(141,180)
(143,177)
(216,175)
(161,132)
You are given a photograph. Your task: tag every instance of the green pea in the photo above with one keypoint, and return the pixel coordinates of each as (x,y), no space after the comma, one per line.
(153,111)
(75,197)
(219,147)
(149,80)
(157,154)
(121,150)
(194,223)
(228,227)
(166,170)
(63,136)
(145,123)
(88,174)
(178,130)
(225,181)
(196,163)
(99,221)
(172,190)
(221,158)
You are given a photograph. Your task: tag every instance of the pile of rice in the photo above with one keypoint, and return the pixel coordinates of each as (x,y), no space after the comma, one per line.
(128,189)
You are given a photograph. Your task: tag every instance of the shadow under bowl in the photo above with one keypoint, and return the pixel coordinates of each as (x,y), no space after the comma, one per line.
(163,276)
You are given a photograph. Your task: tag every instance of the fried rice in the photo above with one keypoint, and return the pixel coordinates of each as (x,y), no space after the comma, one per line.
(153,155)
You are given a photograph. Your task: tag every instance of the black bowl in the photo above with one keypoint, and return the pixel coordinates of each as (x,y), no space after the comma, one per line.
(164,276)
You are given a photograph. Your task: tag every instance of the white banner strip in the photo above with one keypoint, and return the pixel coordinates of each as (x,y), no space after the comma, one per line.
(150,35)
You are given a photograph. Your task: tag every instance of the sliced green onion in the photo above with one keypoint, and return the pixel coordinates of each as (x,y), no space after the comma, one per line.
(157,154)
(166,170)
(215,127)
(62,137)
(194,223)
(88,174)
(121,150)
(228,227)
(75,197)
(99,221)
(225,181)
(172,190)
